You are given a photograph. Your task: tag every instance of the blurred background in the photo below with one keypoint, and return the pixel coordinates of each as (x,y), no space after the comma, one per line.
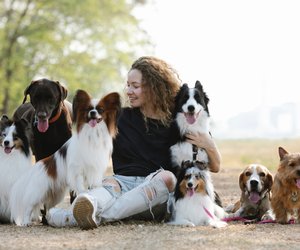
(245,53)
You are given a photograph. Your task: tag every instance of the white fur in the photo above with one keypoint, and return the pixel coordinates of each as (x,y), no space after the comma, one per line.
(12,167)
(190,211)
(87,158)
(198,209)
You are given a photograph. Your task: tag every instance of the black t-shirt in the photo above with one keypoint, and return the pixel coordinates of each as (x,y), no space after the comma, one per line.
(139,149)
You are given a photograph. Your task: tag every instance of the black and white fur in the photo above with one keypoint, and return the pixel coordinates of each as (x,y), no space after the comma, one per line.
(15,159)
(194,198)
(191,116)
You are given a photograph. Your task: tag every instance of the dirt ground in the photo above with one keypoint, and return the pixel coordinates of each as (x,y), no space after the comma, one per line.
(149,235)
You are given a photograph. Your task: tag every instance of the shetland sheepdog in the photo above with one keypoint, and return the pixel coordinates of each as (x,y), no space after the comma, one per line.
(194,198)
(15,159)
(78,165)
(191,115)
(285,200)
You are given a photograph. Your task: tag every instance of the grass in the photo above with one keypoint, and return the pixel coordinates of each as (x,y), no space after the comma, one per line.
(239,153)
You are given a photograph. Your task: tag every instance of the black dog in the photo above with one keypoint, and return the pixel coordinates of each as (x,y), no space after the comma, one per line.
(49,116)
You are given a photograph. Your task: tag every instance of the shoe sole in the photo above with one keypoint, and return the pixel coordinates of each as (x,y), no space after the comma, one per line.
(83,213)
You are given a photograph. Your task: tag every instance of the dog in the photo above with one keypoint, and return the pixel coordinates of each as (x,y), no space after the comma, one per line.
(15,159)
(255,183)
(194,198)
(79,164)
(285,200)
(191,115)
(49,115)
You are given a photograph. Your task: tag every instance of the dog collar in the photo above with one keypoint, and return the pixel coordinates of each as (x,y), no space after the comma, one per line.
(55,118)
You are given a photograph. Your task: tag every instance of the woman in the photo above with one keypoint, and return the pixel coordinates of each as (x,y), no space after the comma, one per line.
(142,179)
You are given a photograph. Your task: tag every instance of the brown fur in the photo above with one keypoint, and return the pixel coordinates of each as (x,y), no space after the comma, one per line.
(245,207)
(108,104)
(286,195)
(200,189)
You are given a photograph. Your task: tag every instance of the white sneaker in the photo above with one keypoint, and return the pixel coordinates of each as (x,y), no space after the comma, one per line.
(84,211)
(59,217)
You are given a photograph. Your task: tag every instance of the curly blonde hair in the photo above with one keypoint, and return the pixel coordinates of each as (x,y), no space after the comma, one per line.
(161,83)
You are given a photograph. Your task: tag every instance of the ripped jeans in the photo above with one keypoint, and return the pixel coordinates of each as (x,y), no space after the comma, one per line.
(131,197)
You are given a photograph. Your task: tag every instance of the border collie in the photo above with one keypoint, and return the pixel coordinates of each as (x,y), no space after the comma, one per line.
(194,198)
(191,115)
(79,164)
(15,159)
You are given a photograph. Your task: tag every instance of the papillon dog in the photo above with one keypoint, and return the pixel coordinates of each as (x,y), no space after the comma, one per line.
(194,198)
(191,115)
(78,165)
(15,159)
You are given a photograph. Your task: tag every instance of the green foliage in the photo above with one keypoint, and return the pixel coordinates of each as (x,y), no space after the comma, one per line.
(83,44)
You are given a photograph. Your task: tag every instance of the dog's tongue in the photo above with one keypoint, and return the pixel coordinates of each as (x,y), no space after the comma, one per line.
(43,125)
(190,192)
(93,122)
(298,183)
(7,150)
(254,197)
(190,118)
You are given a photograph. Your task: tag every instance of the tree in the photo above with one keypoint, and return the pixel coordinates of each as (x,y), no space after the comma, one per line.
(83,44)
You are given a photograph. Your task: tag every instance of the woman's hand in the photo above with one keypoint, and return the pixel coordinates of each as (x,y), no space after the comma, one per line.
(202,140)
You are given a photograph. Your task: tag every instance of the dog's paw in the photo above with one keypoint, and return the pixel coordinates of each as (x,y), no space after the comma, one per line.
(218,224)
(269,215)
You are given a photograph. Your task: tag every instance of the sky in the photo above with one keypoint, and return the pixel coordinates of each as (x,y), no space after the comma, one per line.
(246,54)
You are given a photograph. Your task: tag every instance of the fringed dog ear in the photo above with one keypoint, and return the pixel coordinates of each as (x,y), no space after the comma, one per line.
(63,91)
(27,91)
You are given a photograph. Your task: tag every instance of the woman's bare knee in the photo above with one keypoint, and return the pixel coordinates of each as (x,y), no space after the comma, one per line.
(169,179)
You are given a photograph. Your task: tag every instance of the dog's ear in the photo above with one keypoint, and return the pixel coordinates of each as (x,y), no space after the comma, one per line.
(63,91)
(241,181)
(282,152)
(4,118)
(27,91)
(269,181)
(81,98)
(112,104)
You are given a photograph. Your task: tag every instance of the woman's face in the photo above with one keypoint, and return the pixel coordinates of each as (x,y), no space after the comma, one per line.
(134,89)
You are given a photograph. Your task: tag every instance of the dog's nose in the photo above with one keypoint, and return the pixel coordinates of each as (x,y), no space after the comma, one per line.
(42,115)
(253,184)
(191,108)
(190,185)
(93,114)
(298,172)
(6,143)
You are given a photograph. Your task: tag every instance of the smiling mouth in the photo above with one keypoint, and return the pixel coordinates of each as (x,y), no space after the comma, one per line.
(94,122)
(191,190)
(8,150)
(191,117)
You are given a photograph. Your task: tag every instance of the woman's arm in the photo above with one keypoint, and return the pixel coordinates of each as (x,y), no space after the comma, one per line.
(205,141)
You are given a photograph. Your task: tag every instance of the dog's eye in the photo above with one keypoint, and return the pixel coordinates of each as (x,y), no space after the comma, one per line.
(197,177)
(292,164)
(262,174)
(100,110)
(247,173)
(3,134)
(187,177)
